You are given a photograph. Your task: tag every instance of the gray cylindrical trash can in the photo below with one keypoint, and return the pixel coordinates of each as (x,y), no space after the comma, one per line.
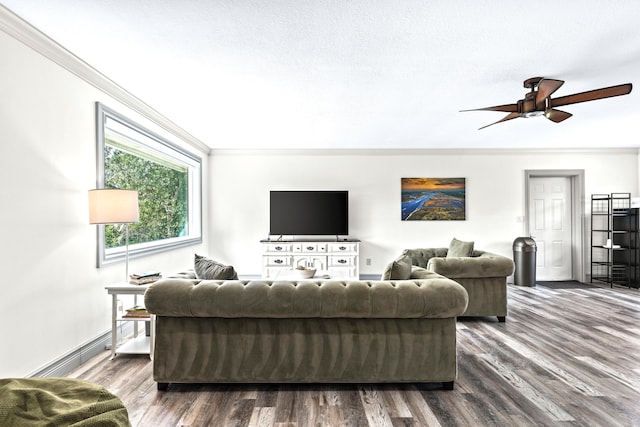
(524,256)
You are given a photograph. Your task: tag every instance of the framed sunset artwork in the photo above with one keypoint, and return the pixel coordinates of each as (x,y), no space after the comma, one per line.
(433,199)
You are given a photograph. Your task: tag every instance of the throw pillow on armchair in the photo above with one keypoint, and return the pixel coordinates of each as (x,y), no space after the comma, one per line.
(458,248)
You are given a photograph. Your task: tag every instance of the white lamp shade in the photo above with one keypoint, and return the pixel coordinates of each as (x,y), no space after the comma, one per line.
(113,206)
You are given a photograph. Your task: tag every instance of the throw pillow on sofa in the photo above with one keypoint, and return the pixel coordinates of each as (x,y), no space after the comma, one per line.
(458,248)
(400,269)
(208,269)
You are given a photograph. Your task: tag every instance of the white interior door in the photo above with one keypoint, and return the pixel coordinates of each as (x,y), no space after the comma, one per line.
(550,226)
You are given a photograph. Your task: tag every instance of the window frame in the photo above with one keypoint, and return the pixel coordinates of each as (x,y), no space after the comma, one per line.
(193,163)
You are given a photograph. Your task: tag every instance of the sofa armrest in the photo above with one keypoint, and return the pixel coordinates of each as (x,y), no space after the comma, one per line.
(419,273)
(482,264)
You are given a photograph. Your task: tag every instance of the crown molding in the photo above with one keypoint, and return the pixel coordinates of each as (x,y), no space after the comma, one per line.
(30,36)
(422,152)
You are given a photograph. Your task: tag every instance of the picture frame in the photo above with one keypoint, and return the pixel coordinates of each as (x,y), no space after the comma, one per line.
(433,199)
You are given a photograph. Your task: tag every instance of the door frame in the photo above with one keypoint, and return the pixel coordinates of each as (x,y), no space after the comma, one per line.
(576,177)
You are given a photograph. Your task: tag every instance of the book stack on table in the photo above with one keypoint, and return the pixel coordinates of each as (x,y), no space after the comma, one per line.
(136,312)
(144,278)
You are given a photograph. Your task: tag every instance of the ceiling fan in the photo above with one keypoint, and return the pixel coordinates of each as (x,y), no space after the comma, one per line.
(538,101)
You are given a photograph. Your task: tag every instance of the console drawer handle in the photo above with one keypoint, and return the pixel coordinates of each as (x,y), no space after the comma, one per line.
(342,248)
(309,248)
(278,248)
(278,261)
(342,261)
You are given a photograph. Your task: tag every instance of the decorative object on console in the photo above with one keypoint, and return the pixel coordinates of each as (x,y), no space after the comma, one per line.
(208,269)
(433,199)
(115,206)
(305,272)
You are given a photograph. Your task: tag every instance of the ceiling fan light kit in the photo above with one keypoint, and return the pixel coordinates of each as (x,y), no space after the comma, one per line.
(538,102)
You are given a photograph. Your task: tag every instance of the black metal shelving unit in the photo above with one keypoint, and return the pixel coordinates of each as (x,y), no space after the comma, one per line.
(615,247)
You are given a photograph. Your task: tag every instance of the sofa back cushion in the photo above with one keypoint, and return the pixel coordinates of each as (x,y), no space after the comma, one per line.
(437,297)
(420,257)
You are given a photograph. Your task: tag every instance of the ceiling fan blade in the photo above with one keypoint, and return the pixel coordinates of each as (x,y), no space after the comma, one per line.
(592,95)
(507,108)
(504,119)
(546,88)
(557,115)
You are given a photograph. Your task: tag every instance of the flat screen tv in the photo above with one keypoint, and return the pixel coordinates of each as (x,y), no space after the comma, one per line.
(309,213)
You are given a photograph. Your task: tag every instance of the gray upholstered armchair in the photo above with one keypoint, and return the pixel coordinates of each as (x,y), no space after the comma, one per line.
(482,274)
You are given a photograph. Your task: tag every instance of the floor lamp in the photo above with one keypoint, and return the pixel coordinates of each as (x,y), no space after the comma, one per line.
(115,206)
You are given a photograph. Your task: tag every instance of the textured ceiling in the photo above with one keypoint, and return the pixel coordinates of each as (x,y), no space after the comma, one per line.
(362,73)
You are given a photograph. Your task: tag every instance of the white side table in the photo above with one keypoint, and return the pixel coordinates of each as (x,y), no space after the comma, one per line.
(140,343)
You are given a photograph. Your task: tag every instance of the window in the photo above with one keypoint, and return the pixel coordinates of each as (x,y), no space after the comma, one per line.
(167,177)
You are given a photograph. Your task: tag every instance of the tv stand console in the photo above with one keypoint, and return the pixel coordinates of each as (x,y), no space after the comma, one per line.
(337,259)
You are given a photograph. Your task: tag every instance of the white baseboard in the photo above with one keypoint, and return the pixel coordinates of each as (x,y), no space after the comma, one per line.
(73,359)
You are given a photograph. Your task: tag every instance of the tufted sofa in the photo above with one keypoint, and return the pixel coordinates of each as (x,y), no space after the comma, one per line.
(483,275)
(305,331)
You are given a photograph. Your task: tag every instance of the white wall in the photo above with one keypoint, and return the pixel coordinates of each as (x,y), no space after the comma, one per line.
(240,182)
(52,296)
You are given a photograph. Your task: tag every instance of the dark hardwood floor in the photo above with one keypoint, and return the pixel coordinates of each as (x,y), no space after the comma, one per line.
(564,357)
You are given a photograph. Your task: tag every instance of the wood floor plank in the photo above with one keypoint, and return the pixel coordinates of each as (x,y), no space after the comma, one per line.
(548,364)
(394,401)
(564,357)
(374,408)
(420,411)
(285,406)
(261,417)
(351,408)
